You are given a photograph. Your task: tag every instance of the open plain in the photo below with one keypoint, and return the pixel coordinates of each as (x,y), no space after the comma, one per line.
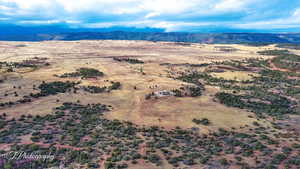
(147,84)
(129,104)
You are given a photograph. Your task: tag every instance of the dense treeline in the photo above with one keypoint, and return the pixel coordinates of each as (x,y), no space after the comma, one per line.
(260,103)
(53,88)
(185,64)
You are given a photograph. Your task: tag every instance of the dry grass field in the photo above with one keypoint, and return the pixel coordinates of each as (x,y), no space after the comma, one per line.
(142,69)
(128,104)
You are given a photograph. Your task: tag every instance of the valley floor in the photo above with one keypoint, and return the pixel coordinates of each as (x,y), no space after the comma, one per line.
(149,93)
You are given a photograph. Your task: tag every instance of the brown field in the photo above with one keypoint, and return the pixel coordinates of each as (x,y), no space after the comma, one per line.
(162,61)
(128,104)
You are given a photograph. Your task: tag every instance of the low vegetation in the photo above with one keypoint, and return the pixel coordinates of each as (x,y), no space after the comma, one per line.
(33,64)
(270,93)
(284,59)
(84,73)
(45,89)
(80,135)
(189,91)
(128,60)
(203,121)
(83,134)
(289,46)
(96,89)
(266,103)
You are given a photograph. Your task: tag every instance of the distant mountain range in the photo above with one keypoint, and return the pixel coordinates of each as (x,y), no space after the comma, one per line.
(54,33)
(179,37)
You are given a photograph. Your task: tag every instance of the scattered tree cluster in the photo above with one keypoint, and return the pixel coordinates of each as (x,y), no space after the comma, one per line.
(79,134)
(272,105)
(189,91)
(289,46)
(84,73)
(96,89)
(129,60)
(33,63)
(46,89)
(284,59)
(203,121)
(270,93)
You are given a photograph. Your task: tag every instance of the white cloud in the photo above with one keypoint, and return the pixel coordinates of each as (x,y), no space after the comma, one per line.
(168,14)
(296,14)
(151,7)
(292,21)
(167,25)
(40,22)
(152,14)
(230,5)
(101,6)
(32,4)
(43,22)
(5,8)
(169,6)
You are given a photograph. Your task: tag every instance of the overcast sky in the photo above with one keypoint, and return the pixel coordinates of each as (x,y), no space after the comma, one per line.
(171,15)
